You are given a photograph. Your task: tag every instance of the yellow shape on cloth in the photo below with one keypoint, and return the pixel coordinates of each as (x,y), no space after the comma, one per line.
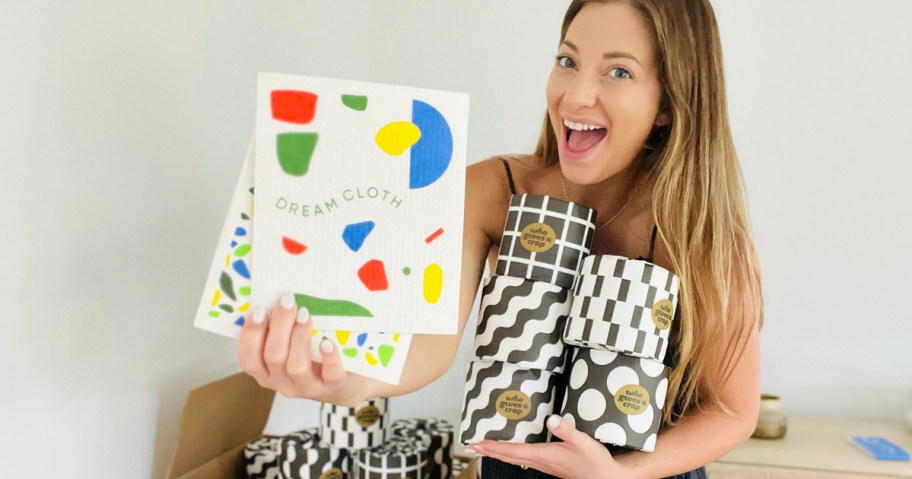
(396,137)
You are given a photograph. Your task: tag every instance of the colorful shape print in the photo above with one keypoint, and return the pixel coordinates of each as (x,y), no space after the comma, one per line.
(431,155)
(373,275)
(293,247)
(294,151)
(433,283)
(434,236)
(355,102)
(354,234)
(298,107)
(396,137)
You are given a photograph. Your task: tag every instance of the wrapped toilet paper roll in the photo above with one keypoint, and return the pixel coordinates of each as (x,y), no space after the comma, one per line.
(262,456)
(545,239)
(399,457)
(365,425)
(624,305)
(521,322)
(616,398)
(302,457)
(437,436)
(505,402)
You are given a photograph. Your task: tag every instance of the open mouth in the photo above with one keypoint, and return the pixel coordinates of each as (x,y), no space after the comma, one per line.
(582,137)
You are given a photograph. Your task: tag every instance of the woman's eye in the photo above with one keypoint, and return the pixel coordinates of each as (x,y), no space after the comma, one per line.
(618,72)
(565,62)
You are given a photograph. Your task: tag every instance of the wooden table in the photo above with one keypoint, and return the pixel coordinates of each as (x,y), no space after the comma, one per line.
(817,447)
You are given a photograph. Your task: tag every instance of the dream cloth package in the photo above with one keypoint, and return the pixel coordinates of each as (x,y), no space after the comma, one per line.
(620,320)
(513,383)
(397,458)
(302,457)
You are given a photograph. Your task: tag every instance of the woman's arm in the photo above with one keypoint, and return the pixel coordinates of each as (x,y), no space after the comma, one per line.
(274,348)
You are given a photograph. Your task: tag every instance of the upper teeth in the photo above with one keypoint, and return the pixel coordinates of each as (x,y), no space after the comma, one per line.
(580,126)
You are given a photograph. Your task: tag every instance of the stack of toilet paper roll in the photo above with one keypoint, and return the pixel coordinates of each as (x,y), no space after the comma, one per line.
(620,320)
(513,381)
(357,442)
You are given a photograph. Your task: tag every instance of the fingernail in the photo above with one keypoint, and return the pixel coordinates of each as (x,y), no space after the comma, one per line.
(553,421)
(287,301)
(258,316)
(476,448)
(303,315)
(326,346)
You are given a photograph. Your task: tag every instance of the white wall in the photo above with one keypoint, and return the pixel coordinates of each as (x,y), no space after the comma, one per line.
(113,116)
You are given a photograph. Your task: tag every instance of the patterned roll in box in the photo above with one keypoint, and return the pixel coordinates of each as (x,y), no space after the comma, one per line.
(262,457)
(628,411)
(545,239)
(505,402)
(623,305)
(437,436)
(521,322)
(354,427)
(399,457)
(302,457)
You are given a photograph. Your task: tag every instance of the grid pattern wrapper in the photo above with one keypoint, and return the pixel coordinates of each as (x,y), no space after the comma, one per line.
(505,402)
(437,436)
(616,398)
(623,305)
(398,457)
(262,457)
(545,239)
(365,425)
(521,322)
(302,457)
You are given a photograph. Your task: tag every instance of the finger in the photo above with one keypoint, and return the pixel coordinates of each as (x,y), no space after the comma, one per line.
(565,431)
(299,366)
(250,345)
(278,338)
(333,373)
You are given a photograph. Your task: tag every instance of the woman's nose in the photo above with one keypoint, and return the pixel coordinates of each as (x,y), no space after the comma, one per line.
(582,91)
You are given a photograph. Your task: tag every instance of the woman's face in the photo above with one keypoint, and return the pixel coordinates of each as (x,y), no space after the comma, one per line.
(604,92)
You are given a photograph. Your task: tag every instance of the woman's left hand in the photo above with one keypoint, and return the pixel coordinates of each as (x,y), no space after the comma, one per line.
(578,456)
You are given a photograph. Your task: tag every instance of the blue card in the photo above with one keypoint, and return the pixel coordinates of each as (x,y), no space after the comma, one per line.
(880,448)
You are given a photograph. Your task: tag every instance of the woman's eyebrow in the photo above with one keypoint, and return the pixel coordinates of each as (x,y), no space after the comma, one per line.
(607,55)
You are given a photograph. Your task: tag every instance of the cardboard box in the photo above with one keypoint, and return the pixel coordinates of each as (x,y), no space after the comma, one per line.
(218,420)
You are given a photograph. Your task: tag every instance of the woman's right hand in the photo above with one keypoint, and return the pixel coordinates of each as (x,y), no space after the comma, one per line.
(275,349)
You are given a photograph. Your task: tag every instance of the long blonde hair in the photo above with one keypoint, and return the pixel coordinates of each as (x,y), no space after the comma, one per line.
(698,200)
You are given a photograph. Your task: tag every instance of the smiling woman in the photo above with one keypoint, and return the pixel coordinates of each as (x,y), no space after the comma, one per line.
(636,128)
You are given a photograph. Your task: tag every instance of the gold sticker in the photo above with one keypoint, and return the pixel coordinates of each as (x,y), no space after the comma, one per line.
(663,313)
(334,473)
(632,399)
(513,404)
(537,237)
(367,416)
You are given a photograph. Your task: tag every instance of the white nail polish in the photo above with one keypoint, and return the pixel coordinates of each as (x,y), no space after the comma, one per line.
(287,301)
(326,346)
(553,421)
(303,315)
(258,316)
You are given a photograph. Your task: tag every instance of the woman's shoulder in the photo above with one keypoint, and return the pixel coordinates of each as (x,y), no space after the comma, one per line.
(488,188)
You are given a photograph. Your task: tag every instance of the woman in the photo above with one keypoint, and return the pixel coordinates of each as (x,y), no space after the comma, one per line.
(637,129)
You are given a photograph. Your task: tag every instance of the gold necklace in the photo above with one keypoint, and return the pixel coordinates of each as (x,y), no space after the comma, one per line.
(624,207)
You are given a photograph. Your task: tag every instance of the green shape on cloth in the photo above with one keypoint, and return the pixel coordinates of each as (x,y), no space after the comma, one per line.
(331,307)
(242,250)
(355,102)
(294,151)
(350,352)
(385,351)
(227,285)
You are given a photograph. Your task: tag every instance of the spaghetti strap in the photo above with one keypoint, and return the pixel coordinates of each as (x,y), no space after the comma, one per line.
(652,243)
(509,175)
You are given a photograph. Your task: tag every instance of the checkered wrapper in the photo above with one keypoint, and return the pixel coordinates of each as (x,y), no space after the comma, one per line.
(437,435)
(545,239)
(399,457)
(302,457)
(364,425)
(262,457)
(623,305)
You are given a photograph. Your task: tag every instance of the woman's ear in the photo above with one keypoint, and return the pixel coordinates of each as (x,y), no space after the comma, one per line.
(663,118)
